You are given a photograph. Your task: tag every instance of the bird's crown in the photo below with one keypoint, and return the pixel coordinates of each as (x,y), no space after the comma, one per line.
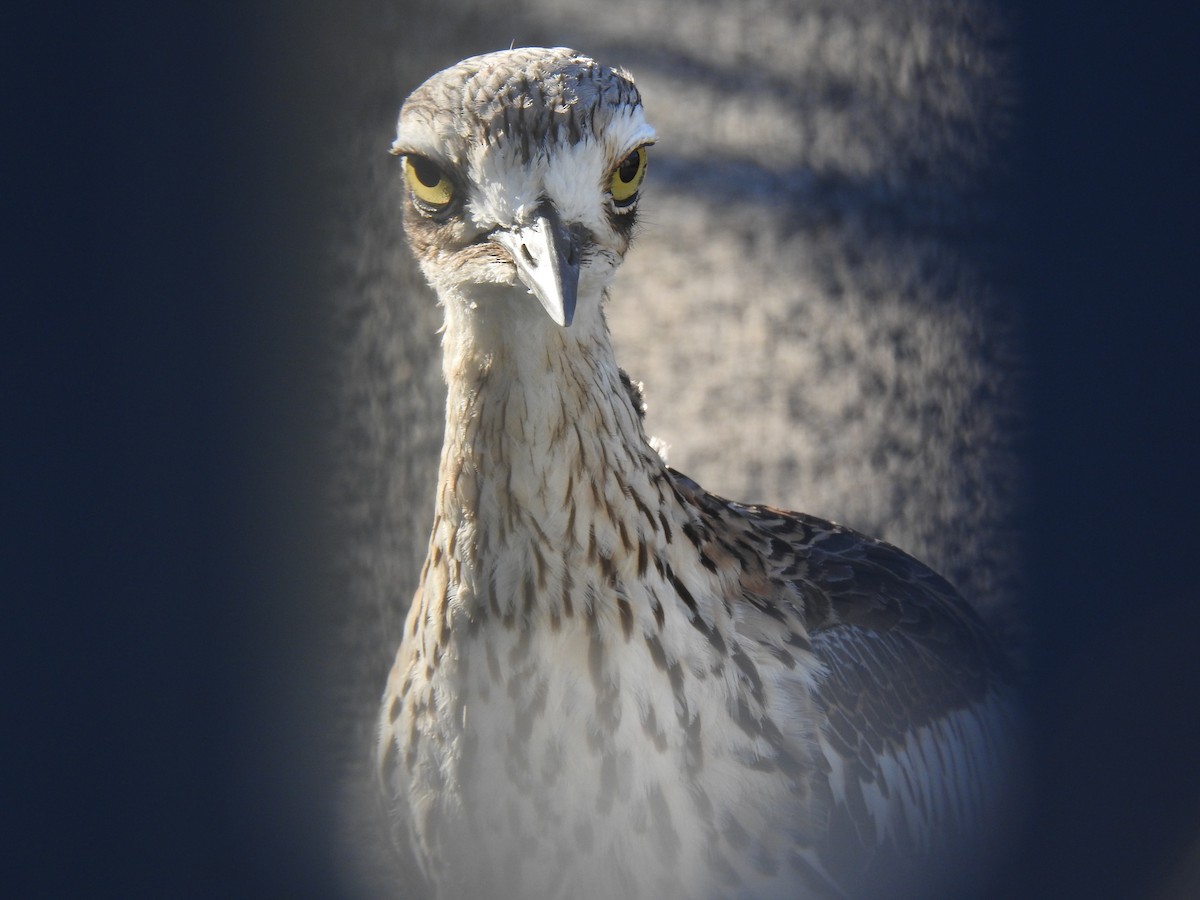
(525,98)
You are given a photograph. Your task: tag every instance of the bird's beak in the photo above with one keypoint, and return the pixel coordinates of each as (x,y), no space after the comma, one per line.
(547,255)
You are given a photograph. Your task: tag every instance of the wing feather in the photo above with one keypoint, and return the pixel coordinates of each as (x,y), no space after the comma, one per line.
(915,701)
(919,714)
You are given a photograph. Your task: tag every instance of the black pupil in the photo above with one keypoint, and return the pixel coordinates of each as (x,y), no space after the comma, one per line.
(628,169)
(427,173)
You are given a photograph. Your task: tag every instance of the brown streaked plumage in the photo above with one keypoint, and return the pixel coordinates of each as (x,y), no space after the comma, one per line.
(612,683)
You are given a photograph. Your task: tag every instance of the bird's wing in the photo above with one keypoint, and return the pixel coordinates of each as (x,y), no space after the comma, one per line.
(914,698)
(917,701)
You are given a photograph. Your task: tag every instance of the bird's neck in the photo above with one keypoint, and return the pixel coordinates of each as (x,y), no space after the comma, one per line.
(545,461)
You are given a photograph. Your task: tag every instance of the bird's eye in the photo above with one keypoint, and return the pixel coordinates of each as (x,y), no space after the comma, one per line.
(427,182)
(627,177)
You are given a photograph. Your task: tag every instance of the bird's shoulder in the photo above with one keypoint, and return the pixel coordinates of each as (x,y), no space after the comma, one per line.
(840,581)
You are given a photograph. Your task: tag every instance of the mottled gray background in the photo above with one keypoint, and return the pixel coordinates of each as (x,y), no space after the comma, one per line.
(818,300)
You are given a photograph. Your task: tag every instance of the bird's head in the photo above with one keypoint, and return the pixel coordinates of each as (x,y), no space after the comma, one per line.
(523,169)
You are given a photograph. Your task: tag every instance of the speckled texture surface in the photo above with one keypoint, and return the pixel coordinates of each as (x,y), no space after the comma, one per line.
(816,301)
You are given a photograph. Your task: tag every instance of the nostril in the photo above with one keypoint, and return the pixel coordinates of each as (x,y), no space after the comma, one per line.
(528,256)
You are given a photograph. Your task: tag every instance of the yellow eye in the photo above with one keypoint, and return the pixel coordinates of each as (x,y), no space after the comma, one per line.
(627,177)
(427,182)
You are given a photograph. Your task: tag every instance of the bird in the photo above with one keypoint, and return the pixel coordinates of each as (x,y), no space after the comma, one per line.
(612,683)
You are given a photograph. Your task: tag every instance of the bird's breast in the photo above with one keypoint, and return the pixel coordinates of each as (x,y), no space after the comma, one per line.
(611,742)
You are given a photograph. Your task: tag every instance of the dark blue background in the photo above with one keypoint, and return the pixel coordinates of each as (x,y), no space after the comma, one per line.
(1107,222)
(161,326)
